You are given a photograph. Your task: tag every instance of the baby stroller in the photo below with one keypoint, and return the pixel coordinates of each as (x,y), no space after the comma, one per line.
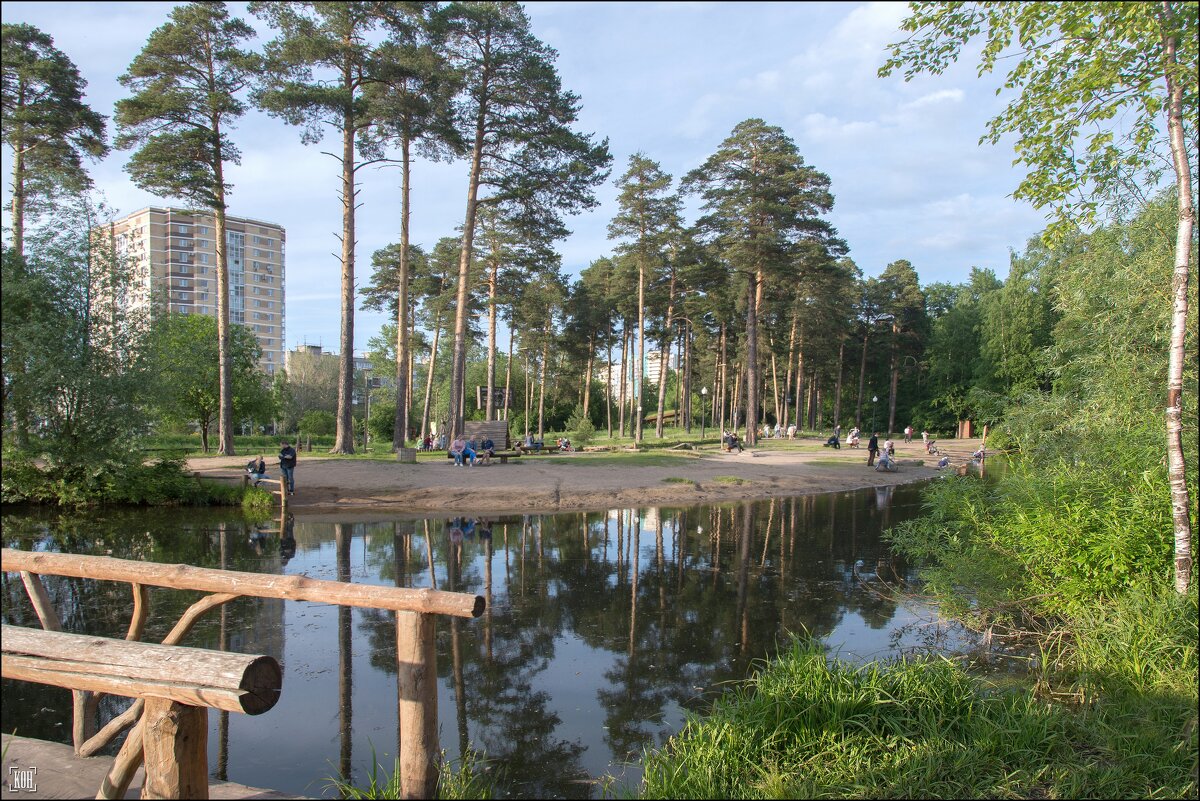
(932,448)
(832,442)
(853,440)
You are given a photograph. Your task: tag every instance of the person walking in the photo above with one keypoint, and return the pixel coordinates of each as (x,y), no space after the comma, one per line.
(287,466)
(872,449)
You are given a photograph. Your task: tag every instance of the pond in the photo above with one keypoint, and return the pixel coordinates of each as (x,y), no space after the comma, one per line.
(602,630)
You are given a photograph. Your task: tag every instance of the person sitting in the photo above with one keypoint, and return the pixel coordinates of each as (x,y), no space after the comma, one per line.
(257,469)
(487,449)
(735,442)
(461,451)
(564,445)
(943,463)
(978,455)
(886,462)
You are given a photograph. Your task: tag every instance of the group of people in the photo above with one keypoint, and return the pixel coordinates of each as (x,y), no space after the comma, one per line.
(461,528)
(257,468)
(730,442)
(465,449)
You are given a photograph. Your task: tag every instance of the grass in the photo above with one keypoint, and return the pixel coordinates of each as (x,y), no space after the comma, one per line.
(464,778)
(678,480)
(805,727)
(728,480)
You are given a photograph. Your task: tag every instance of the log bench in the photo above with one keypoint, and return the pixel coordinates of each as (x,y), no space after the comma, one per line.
(503,456)
(178,685)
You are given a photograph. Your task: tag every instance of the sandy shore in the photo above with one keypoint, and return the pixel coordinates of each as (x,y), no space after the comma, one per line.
(581,481)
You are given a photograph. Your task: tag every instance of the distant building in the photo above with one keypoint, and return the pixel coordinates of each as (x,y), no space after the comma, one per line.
(619,369)
(172,253)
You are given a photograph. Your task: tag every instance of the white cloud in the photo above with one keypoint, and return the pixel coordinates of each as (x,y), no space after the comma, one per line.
(940,96)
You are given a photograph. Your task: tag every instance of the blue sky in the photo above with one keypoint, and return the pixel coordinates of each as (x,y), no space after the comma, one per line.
(670,80)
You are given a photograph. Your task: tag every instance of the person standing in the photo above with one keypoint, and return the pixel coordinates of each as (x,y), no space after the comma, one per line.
(287,466)
(908,434)
(872,449)
(925,439)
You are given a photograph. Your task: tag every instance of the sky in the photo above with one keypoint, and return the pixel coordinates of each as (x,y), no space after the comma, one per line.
(668,80)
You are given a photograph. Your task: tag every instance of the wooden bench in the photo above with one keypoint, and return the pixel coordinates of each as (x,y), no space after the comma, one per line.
(497,432)
(178,685)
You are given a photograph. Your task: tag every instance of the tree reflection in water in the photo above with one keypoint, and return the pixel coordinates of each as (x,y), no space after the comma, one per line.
(602,630)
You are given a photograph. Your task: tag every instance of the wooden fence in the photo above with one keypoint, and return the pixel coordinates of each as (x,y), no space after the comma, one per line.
(415,646)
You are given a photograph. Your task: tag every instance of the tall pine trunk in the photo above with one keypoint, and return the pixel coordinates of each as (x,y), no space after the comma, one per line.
(224,356)
(400,428)
(344,442)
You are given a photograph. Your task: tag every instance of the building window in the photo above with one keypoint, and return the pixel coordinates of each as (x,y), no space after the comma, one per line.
(202,258)
(202,230)
(182,229)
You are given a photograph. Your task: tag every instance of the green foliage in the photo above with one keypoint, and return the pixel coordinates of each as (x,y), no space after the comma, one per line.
(130,481)
(46,123)
(186,369)
(73,372)
(805,727)
(581,428)
(318,424)
(257,501)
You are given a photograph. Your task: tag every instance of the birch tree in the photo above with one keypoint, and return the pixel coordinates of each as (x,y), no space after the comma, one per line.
(1105,98)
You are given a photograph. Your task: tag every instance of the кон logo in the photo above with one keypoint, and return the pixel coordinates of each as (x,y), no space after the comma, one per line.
(22,779)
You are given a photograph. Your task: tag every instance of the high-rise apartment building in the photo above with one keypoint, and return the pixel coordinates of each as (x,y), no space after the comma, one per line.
(173,255)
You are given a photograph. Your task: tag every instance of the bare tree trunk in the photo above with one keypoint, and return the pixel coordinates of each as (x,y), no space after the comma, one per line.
(437,331)
(775,382)
(400,422)
(224,356)
(528,394)
(1176,472)
(542,383)
(800,385)
(752,360)
(787,380)
(862,379)
(608,383)
(641,354)
(837,396)
(344,442)
(664,350)
(508,376)
(894,377)
(459,365)
(493,276)
(724,376)
(624,376)
(587,373)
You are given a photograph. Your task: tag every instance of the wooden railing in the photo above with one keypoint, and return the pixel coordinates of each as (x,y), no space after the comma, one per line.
(415,645)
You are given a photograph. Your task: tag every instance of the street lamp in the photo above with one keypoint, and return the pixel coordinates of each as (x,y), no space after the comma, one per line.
(703,400)
(874,400)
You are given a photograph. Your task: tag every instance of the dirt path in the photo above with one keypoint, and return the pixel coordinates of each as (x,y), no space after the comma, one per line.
(581,481)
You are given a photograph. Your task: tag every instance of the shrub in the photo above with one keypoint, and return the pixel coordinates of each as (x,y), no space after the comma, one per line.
(580,426)
(318,423)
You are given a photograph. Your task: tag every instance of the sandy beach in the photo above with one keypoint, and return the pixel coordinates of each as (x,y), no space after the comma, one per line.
(586,481)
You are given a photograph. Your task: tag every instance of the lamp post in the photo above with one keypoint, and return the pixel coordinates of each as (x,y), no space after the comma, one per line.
(874,400)
(703,400)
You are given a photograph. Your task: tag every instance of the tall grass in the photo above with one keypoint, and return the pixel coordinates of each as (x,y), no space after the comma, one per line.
(806,727)
(458,779)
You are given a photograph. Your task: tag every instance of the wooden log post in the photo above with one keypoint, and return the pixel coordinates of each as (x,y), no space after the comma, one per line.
(244,683)
(416,657)
(175,743)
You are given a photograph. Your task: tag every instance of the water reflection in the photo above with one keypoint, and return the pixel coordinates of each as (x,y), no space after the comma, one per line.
(602,630)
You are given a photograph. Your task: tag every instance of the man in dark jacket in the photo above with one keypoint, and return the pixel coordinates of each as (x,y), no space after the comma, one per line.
(287,466)
(872,448)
